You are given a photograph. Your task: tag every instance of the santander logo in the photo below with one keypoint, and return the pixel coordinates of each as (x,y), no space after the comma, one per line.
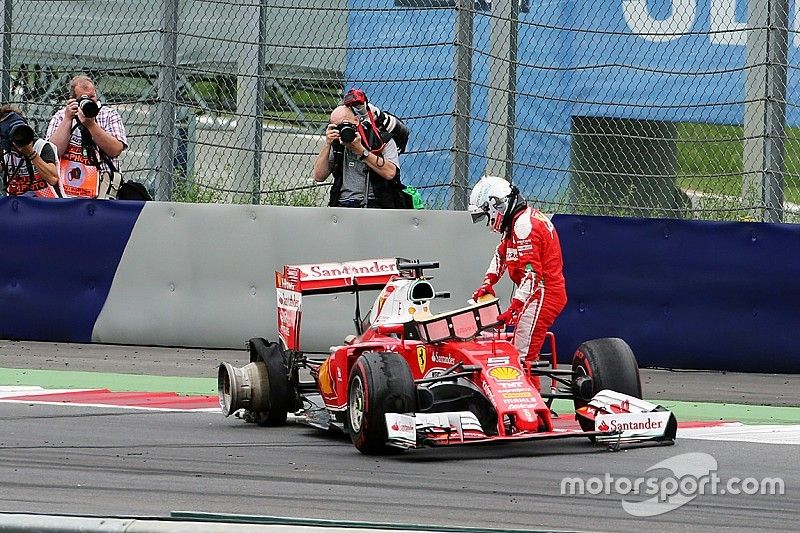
(401,426)
(636,426)
(603,426)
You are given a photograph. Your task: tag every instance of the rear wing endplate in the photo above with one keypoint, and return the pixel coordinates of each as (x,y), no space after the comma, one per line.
(324,278)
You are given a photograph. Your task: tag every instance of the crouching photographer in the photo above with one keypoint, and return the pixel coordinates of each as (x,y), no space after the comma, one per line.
(361,151)
(29,164)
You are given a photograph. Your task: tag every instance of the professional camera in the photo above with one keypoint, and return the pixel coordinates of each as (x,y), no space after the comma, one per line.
(347,132)
(15,130)
(88,107)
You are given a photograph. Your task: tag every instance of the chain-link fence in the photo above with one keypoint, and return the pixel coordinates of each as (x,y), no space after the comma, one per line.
(669,108)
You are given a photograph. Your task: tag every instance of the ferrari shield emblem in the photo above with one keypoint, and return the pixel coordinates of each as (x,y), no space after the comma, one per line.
(422,359)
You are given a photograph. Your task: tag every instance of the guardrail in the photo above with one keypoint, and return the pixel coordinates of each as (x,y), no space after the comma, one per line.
(180,522)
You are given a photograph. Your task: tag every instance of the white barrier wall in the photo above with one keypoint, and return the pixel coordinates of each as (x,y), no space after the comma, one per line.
(203,275)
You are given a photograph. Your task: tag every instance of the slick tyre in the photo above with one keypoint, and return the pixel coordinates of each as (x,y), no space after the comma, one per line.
(379,383)
(611,365)
(278,397)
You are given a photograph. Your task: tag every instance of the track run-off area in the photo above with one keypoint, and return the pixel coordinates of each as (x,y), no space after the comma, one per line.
(99,430)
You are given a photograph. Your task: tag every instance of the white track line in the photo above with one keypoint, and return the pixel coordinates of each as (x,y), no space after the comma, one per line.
(10,391)
(767,434)
(109,406)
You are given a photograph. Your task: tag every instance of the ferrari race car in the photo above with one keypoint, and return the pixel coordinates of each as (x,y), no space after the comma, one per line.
(409,378)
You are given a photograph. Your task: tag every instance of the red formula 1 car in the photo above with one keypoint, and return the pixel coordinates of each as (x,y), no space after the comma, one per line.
(409,378)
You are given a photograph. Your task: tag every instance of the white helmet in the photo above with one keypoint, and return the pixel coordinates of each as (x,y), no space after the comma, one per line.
(489,198)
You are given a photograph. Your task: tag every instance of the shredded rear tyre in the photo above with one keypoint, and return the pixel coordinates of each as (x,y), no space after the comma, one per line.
(278,382)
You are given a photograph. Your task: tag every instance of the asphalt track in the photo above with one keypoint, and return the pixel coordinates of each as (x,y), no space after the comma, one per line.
(120,462)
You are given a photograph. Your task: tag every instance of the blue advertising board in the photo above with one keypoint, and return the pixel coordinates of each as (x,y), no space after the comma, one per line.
(670,60)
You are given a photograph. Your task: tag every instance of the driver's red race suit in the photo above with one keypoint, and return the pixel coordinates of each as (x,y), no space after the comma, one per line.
(531,252)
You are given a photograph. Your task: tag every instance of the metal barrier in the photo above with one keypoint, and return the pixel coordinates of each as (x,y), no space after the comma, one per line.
(204,523)
(679,109)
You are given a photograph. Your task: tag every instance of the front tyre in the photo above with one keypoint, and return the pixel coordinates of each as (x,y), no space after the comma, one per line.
(610,363)
(379,383)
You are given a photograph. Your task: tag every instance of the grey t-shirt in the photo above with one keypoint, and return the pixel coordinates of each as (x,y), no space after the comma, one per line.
(355,173)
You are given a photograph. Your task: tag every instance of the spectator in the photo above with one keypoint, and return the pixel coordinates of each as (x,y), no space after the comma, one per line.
(363,157)
(530,250)
(29,164)
(90,138)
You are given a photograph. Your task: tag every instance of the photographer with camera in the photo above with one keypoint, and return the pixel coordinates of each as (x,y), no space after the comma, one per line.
(90,138)
(29,164)
(361,151)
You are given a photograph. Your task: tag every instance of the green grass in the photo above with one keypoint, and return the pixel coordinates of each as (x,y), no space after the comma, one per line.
(710,159)
(187,189)
(319,99)
(291,118)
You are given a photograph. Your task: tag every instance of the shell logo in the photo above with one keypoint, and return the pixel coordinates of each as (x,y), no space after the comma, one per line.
(325,379)
(505,373)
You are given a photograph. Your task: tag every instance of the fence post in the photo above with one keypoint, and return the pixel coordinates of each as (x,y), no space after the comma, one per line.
(8,6)
(462,108)
(502,89)
(167,84)
(261,85)
(765,106)
(250,97)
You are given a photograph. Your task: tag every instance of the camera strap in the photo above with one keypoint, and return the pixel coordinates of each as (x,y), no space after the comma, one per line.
(92,151)
(363,133)
(366,185)
(9,176)
(31,175)
(5,170)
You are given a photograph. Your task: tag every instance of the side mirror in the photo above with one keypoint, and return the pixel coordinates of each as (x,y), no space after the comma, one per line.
(390,329)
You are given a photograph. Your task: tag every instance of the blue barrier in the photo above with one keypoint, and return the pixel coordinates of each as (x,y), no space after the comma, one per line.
(684,294)
(57,261)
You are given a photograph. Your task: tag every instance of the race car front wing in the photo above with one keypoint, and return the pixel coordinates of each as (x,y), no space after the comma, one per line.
(618,419)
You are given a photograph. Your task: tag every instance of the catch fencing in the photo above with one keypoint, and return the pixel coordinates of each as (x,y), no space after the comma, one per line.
(669,108)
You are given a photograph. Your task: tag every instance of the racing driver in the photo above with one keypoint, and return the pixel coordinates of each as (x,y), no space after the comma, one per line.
(529,249)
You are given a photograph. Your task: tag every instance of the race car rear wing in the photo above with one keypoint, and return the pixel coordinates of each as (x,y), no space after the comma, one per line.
(324,278)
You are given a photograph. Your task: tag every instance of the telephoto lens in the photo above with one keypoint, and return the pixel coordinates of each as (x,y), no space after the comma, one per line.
(347,132)
(21,134)
(88,107)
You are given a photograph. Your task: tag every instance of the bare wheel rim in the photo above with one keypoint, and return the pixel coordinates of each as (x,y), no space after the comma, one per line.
(356,404)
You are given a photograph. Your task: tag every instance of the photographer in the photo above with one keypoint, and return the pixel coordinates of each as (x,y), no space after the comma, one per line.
(90,138)
(363,156)
(29,164)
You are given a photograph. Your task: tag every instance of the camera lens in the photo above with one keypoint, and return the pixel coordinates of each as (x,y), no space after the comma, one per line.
(347,133)
(88,106)
(21,134)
